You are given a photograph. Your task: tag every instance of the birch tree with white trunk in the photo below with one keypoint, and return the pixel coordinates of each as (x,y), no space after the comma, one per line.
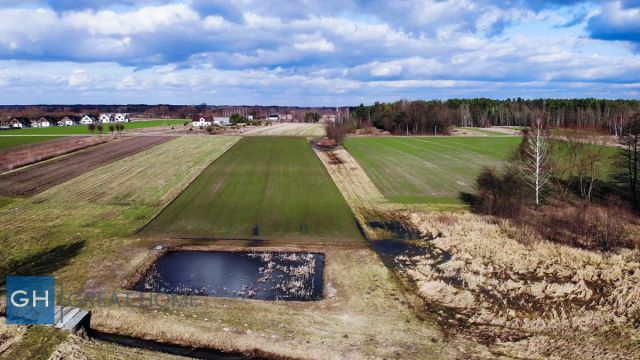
(536,164)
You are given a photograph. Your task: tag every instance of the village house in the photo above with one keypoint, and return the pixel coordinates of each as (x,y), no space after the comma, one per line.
(105,118)
(201,121)
(69,120)
(86,120)
(41,123)
(15,123)
(121,117)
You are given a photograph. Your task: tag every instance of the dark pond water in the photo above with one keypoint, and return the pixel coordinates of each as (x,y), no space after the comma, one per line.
(253,275)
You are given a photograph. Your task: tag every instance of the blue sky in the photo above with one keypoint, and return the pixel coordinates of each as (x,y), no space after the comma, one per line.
(315,53)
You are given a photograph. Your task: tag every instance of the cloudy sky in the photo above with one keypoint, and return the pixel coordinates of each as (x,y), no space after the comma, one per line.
(341,52)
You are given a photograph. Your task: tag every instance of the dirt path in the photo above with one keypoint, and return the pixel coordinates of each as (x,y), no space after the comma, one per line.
(39,177)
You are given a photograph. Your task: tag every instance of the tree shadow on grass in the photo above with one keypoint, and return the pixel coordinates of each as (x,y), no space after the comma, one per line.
(44,262)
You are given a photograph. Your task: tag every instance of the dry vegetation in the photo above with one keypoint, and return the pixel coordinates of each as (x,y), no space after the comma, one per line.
(29,154)
(527,301)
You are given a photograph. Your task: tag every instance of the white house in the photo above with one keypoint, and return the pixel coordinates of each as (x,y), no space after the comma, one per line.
(14,123)
(42,122)
(201,120)
(221,121)
(105,118)
(67,121)
(86,120)
(249,117)
(121,117)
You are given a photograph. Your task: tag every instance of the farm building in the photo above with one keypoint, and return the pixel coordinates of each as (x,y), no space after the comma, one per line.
(201,120)
(273,117)
(86,120)
(15,123)
(68,121)
(42,122)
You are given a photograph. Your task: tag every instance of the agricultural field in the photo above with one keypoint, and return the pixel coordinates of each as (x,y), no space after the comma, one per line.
(262,187)
(7,142)
(50,228)
(429,170)
(84,129)
(27,154)
(287,129)
(41,176)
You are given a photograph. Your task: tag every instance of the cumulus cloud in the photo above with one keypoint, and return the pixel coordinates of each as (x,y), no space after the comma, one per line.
(262,52)
(618,20)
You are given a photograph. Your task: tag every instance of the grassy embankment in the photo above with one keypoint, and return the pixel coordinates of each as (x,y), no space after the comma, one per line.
(264,187)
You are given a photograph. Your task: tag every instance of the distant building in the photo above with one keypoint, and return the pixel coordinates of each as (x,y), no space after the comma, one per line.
(221,121)
(15,123)
(43,122)
(105,118)
(250,117)
(86,120)
(201,120)
(121,117)
(68,121)
(273,117)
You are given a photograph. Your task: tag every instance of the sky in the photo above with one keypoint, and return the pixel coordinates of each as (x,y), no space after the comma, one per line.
(315,53)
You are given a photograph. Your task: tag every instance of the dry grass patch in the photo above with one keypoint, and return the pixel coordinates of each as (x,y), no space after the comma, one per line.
(537,300)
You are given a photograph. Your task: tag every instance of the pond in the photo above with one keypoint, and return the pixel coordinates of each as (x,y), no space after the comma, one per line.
(294,276)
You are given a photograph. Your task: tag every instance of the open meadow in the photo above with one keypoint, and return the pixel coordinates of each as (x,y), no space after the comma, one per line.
(432,170)
(263,187)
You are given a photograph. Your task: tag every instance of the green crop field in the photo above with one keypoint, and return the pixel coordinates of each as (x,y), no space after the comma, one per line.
(11,141)
(83,129)
(263,187)
(428,170)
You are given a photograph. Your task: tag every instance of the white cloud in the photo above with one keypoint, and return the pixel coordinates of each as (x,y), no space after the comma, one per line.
(78,78)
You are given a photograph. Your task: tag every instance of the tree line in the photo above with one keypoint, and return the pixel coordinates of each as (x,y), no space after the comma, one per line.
(437,117)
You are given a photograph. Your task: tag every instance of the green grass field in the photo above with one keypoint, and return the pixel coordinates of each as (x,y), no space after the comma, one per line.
(12,141)
(264,187)
(428,170)
(83,129)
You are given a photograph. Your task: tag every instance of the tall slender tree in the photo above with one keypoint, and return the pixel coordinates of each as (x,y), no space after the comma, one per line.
(535,164)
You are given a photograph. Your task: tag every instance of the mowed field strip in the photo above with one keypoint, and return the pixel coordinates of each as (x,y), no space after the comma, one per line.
(263,187)
(110,202)
(41,176)
(431,170)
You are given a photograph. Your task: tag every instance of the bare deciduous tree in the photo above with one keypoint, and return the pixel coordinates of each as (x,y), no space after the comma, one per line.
(535,165)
